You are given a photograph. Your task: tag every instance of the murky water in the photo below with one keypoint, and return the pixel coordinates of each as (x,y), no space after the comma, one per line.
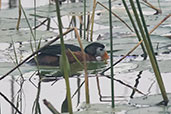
(132,71)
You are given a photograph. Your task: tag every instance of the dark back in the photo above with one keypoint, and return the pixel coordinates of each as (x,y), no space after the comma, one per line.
(56,49)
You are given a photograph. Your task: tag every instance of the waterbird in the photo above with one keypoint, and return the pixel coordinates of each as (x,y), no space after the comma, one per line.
(50,56)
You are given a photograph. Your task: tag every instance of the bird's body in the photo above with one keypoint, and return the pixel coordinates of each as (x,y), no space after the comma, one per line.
(50,55)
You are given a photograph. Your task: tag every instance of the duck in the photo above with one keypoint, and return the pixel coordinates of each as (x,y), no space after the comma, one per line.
(50,55)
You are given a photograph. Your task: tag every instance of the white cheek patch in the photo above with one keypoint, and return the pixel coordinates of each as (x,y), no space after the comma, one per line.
(58,54)
(100,51)
(98,58)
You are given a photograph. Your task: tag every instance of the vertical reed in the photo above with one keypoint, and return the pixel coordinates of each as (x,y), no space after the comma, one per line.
(149,48)
(135,28)
(92,19)
(81,25)
(19,15)
(152,56)
(111,54)
(64,64)
(84,19)
(85,68)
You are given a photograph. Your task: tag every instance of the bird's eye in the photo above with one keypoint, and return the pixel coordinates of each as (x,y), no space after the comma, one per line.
(101,49)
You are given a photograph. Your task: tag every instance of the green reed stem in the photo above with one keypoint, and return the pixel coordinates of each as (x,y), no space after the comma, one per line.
(35,17)
(16,59)
(85,68)
(30,28)
(64,64)
(84,19)
(152,57)
(111,54)
(135,28)
(28,23)
(36,105)
(81,25)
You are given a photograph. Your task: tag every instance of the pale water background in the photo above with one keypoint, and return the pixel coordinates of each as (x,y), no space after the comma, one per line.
(129,71)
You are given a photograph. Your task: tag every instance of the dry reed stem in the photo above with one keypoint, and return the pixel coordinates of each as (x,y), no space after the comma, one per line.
(88,26)
(92,20)
(0,4)
(116,16)
(85,66)
(80,19)
(122,57)
(50,107)
(160,23)
(93,15)
(151,6)
(19,15)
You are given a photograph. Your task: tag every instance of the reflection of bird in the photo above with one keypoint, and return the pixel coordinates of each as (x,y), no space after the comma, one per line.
(50,55)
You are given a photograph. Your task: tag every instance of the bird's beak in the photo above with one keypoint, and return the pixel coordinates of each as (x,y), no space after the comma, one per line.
(105,56)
